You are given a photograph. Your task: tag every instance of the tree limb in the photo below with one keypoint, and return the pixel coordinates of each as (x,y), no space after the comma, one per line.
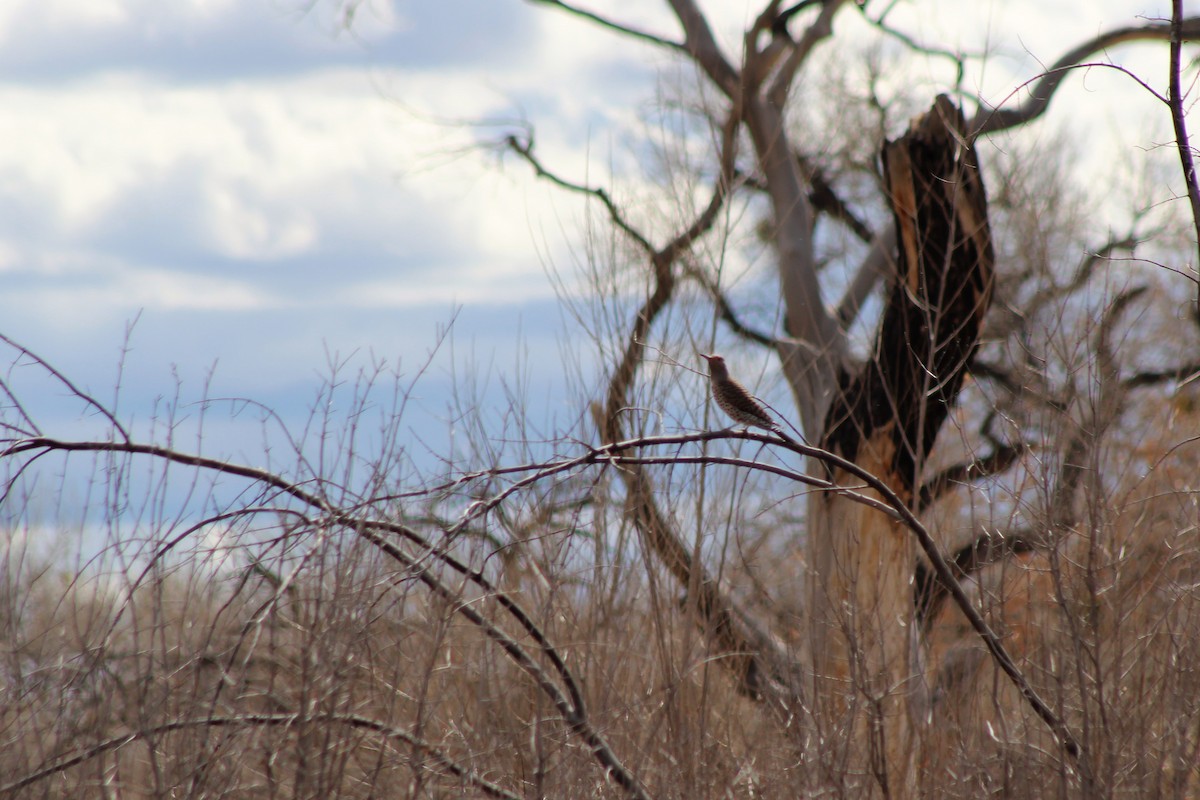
(604,22)
(703,48)
(825,199)
(880,262)
(1175,101)
(1040,94)
(1144,378)
(745,648)
(820,29)
(742,647)
(1001,458)
(930,591)
(726,312)
(570,705)
(525,150)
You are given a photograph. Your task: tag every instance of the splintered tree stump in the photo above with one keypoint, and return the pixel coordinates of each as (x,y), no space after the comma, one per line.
(885,418)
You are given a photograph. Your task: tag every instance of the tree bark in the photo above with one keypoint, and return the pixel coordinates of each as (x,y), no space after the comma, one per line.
(885,418)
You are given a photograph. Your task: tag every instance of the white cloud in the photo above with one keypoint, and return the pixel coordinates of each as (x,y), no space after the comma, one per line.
(234,159)
(253,173)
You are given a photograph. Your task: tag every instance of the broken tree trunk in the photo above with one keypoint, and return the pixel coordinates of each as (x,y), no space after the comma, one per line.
(885,418)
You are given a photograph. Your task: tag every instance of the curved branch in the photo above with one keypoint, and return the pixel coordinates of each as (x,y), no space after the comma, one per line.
(572,706)
(1040,94)
(826,200)
(726,312)
(1184,372)
(748,653)
(820,29)
(930,591)
(958,58)
(272,720)
(604,22)
(572,709)
(756,674)
(944,573)
(1001,458)
(703,48)
(71,387)
(525,150)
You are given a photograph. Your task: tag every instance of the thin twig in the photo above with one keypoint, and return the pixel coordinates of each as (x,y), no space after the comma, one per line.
(611,25)
(82,395)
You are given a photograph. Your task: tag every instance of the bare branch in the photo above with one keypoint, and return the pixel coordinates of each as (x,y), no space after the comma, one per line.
(525,150)
(944,573)
(746,650)
(958,58)
(1175,101)
(727,313)
(1015,321)
(982,370)
(704,49)
(1145,378)
(820,29)
(604,22)
(1000,459)
(998,119)
(1089,432)
(71,387)
(780,23)
(825,199)
(573,710)
(879,263)
(662,264)
(986,549)
(388,732)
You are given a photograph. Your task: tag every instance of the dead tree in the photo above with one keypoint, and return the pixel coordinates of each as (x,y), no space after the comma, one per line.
(885,418)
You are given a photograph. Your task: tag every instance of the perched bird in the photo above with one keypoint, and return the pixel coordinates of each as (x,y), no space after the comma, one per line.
(737,403)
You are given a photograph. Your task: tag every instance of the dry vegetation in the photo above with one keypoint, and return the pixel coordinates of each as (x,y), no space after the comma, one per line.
(355,680)
(520,626)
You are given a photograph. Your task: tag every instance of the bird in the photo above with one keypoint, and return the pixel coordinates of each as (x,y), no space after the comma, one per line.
(737,403)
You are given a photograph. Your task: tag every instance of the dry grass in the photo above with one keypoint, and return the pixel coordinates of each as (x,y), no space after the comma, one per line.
(357,682)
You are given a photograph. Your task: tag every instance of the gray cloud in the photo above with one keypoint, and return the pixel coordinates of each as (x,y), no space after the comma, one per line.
(255,40)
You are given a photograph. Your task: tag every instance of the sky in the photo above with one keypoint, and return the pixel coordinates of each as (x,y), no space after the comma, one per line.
(225,197)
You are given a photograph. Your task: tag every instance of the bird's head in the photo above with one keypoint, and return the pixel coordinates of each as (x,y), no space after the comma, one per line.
(716,364)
